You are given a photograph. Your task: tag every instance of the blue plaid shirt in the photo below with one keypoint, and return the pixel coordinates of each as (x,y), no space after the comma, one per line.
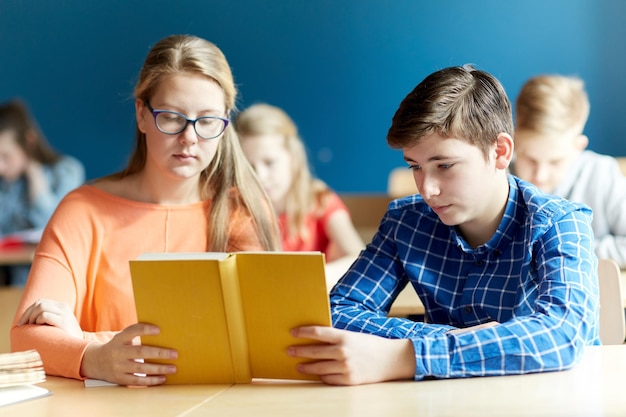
(536,276)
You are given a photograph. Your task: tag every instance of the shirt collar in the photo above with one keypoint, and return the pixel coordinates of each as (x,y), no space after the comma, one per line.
(508,227)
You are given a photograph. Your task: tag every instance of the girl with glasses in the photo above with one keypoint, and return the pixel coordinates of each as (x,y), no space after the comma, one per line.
(184,190)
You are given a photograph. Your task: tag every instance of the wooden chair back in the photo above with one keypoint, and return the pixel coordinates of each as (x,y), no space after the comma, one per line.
(400,183)
(621,160)
(367,211)
(612,322)
(9,299)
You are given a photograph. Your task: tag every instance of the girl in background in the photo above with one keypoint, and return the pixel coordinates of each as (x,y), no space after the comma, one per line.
(311,216)
(33,180)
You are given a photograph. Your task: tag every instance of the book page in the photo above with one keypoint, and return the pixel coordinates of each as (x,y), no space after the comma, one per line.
(94,383)
(19,393)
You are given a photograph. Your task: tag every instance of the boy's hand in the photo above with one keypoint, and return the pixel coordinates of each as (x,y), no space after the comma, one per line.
(348,358)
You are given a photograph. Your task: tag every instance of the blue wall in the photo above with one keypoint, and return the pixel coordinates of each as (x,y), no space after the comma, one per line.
(339,67)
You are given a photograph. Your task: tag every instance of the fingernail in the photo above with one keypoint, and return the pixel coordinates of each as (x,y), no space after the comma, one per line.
(173,354)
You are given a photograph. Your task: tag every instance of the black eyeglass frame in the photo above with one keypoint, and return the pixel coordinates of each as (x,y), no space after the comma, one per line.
(156,112)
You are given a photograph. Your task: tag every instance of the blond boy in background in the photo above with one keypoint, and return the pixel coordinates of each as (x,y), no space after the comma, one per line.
(550,151)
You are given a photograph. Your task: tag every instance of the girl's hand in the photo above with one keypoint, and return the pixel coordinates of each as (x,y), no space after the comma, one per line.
(124,362)
(37,182)
(53,313)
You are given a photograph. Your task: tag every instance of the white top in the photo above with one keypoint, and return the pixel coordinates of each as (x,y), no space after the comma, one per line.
(597,181)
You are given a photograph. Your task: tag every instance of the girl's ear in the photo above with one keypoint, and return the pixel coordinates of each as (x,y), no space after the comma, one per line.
(31,139)
(30,142)
(503,150)
(140,115)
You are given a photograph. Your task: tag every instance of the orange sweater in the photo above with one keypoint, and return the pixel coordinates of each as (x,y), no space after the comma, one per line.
(83,257)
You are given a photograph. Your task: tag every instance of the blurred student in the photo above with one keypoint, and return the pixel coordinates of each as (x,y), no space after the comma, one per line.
(187,188)
(33,179)
(506,273)
(311,216)
(551,112)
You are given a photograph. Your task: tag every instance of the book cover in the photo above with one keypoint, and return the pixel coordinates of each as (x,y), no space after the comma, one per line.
(229,314)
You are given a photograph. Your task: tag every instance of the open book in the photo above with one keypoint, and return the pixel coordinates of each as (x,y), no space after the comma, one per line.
(229,315)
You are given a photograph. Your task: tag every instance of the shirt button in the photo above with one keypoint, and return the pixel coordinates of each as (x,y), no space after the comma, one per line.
(468,309)
(479,262)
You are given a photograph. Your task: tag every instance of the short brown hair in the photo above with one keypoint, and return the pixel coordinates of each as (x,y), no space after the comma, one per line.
(460,102)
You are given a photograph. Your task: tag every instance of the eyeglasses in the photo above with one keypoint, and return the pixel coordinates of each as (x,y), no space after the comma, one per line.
(172,123)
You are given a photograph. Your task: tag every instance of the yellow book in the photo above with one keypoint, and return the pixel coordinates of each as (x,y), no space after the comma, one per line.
(229,314)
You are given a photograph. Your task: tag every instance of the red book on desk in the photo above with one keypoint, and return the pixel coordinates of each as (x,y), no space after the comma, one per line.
(19,239)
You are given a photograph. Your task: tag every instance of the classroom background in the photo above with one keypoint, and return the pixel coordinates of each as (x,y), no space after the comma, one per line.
(338,67)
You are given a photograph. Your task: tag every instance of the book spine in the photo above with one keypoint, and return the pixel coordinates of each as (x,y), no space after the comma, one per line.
(235,319)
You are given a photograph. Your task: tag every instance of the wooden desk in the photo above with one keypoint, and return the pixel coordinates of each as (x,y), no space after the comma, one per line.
(592,388)
(70,398)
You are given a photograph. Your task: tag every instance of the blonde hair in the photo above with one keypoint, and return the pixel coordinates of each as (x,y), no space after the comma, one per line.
(229,170)
(552,104)
(305,192)
(460,102)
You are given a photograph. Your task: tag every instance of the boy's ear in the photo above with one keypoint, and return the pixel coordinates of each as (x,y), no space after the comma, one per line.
(503,150)
(581,142)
